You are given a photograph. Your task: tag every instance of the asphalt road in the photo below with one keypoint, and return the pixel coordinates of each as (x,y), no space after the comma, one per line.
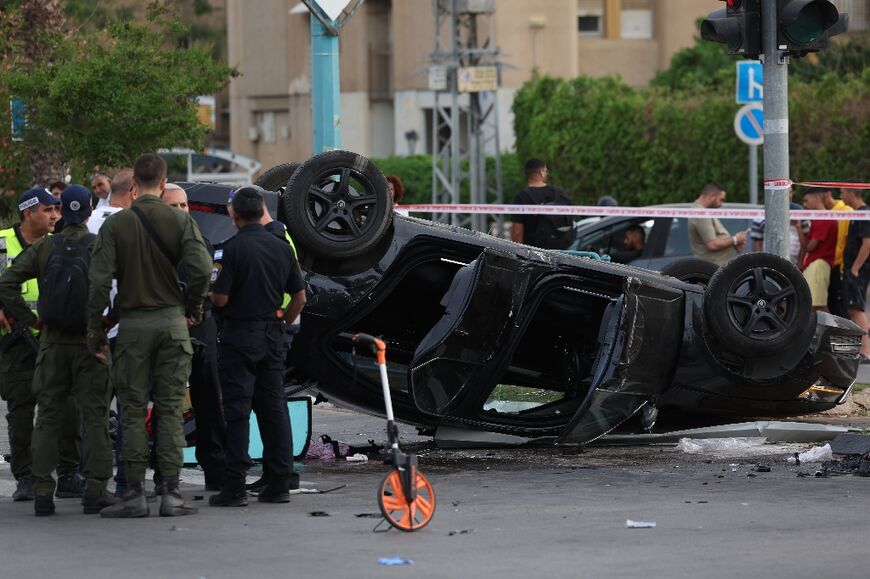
(506,513)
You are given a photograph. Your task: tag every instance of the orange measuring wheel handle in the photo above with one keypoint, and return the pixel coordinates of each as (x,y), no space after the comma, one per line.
(403,514)
(376,344)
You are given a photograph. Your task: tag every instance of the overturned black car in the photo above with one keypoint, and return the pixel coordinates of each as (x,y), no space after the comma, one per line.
(484,334)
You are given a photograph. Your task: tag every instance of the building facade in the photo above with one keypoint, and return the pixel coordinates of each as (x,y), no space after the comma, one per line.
(386,49)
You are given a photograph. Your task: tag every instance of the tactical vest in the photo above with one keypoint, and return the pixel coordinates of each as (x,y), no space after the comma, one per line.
(287,297)
(10,247)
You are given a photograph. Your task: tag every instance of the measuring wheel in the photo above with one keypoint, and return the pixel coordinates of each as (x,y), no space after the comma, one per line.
(402,513)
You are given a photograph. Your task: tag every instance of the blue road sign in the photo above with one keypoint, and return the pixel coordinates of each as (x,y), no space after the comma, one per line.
(750,82)
(749,124)
(16,108)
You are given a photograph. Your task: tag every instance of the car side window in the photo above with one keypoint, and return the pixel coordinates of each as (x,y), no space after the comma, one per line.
(678,239)
(610,240)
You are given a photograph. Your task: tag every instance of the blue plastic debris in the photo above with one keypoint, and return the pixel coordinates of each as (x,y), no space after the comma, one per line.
(389,561)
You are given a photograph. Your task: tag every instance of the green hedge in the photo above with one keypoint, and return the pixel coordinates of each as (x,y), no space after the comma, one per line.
(416,174)
(602,137)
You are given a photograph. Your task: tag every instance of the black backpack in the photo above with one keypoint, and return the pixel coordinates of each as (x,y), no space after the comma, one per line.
(63,289)
(554,231)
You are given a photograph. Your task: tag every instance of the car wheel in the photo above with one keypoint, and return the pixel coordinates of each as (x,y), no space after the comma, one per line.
(276,178)
(691,270)
(758,304)
(338,205)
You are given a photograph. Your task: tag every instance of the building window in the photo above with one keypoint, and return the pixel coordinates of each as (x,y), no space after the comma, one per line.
(636,19)
(267,127)
(858,11)
(590,17)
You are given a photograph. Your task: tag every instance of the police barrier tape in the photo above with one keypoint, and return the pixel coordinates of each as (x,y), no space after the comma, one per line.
(596,211)
(658,211)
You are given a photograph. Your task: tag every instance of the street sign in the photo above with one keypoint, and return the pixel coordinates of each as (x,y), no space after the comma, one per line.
(332,8)
(16,113)
(477,79)
(750,82)
(438,77)
(748,123)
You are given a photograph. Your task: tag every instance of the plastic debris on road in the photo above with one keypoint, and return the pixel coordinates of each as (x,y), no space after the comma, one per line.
(714,445)
(358,457)
(629,524)
(815,454)
(390,561)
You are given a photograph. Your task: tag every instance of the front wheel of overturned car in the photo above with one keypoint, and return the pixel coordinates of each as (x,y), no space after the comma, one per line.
(758,304)
(338,205)
(691,270)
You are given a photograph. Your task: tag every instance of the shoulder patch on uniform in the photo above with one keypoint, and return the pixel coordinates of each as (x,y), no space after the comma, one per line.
(216,271)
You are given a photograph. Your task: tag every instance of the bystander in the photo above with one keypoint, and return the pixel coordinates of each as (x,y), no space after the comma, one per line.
(707,236)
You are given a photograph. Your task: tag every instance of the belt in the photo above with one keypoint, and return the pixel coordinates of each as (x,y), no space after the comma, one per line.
(251,324)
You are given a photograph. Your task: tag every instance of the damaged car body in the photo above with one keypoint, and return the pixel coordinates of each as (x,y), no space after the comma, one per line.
(487,335)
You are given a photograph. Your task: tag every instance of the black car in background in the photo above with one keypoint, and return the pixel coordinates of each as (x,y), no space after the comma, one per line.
(667,238)
(485,334)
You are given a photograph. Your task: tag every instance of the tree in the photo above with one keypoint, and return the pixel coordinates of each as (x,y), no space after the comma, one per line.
(13,155)
(102,99)
(707,65)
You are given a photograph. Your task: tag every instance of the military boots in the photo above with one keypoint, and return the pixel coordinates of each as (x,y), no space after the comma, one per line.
(173,504)
(132,505)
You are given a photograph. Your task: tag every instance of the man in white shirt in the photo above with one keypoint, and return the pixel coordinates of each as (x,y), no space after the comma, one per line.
(102,187)
(121,197)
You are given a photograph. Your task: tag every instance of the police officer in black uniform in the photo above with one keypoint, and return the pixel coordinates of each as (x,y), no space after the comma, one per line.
(256,270)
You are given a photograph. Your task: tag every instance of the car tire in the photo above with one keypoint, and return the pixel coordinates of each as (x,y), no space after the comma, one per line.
(276,178)
(758,304)
(691,270)
(338,205)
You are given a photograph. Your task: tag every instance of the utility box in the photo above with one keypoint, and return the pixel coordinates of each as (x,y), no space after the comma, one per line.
(465,6)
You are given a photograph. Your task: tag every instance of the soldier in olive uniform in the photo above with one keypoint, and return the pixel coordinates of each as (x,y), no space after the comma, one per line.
(141,247)
(64,367)
(39,210)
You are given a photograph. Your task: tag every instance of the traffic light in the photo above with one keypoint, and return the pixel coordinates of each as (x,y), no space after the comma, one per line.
(804,26)
(738,26)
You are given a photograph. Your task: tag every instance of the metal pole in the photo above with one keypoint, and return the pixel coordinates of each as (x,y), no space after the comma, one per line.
(753,174)
(325,89)
(455,141)
(775,136)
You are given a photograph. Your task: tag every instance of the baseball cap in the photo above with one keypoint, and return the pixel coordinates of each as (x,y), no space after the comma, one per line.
(75,204)
(34,196)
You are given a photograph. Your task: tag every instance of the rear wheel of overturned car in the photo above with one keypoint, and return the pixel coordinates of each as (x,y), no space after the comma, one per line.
(338,205)
(691,270)
(758,304)
(276,178)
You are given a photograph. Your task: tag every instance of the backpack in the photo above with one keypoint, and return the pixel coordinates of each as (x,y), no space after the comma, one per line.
(554,231)
(63,289)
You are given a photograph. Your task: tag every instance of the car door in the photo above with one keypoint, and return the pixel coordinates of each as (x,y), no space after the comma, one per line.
(461,349)
(641,338)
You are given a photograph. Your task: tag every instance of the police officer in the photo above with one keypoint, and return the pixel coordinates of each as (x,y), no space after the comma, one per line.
(279,230)
(256,270)
(141,247)
(38,210)
(205,394)
(65,366)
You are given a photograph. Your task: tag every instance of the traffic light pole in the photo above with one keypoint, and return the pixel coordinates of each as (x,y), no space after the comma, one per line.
(776,169)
